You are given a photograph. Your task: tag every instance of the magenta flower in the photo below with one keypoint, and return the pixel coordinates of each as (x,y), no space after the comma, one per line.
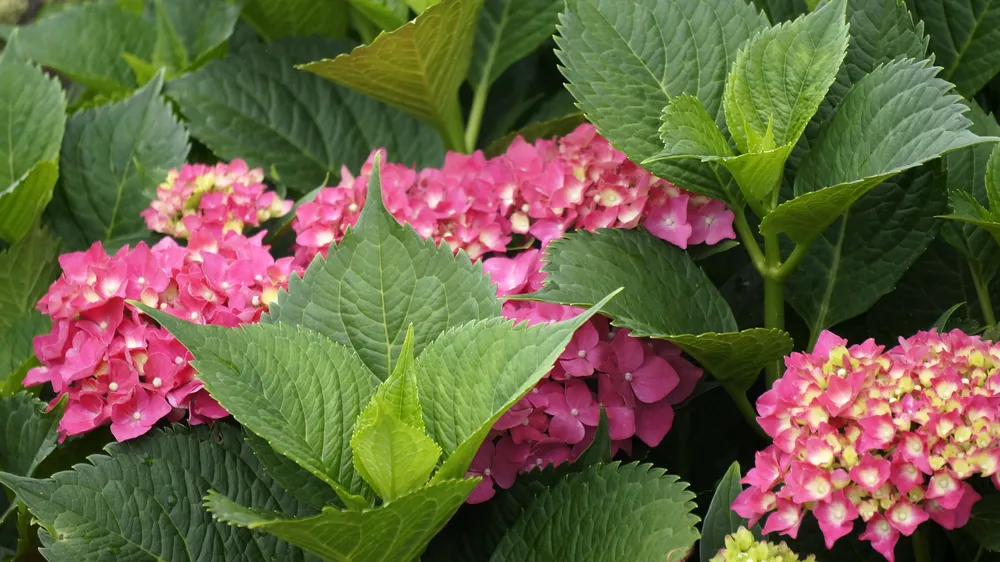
(584,352)
(133,417)
(571,410)
(711,222)
(497,464)
(669,221)
(650,377)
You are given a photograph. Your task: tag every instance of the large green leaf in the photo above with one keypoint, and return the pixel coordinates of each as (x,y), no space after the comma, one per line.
(780,78)
(142,501)
(507,31)
(189,31)
(396,531)
(26,269)
(983,523)
(86,43)
(292,478)
(417,68)
(616,512)
(274,20)
(964,35)
(27,435)
(862,256)
(299,128)
(380,279)
(625,62)
(720,520)
(112,159)
(32,118)
(666,296)
(299,390)
(909,118)
(472,374)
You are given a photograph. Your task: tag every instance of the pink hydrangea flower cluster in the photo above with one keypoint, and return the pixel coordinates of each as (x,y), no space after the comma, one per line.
(638,381)
(888,438)
(220,198)
(538,190)
(112,362)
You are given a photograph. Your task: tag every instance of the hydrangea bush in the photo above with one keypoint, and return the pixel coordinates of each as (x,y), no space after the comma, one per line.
(499,280)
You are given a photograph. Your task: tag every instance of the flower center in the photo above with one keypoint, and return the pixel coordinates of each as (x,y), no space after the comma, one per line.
(574,412)
(226,285)
(581,354)
(353,207)
(178,360)
(157,382)
(669,221)
(487,472)
(137,415)
(113,387)
(141,280)
(628,377)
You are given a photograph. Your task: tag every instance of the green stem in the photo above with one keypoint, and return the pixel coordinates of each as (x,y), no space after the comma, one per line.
(921,545)
(774,297)
(476,117)
(748,239)
(983,292)
(746,409)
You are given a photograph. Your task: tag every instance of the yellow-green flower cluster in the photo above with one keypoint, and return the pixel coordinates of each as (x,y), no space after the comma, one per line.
(741,546)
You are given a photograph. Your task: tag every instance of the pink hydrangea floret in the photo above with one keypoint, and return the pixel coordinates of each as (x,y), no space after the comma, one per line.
(889,438)
(220,198)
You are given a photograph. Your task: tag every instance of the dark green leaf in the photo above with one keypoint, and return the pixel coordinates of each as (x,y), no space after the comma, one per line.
(507,31)
(291,477)
(720,520)
(942,322)
(188,31)
(274,20)
(984,525)
(27,435)
(964,35)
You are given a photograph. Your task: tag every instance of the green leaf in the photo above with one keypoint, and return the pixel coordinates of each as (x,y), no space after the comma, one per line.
(188,31)
(993,179)
(780,78)
(630,512)
(141,501)
(86,43)
(113,157)
(983,523)
(862,256)
(29,435)
(910,118)
(942,322)
(472,374)
(965,208)
(964,35)
(382,278)
(507,31)
(666,296)
(688,131)
(624,64)
(397,531)
(400,392)
(292,478)
(395,458)
(17,354)
(295,388)
(720,520)
(274,20)
(299,128)
(387,15)
(417,68)
(32,119)
(758,174)
(26,269)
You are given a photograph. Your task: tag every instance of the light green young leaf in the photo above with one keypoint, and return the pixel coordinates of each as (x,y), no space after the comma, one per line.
(993,179)
(420,5)
(27,436)
(758,174)
(474,373)
(964,35)
(909,118)
(254,105)
(400,392)
(141,501)
(780,78)
(688,131)
(617,512)
(666,296)
(189,31)
(382,278)
(399,530)
(32,118)
(721,520)
(395,458)
(86,42)
(274,20)
(298,390)
(417,68)
(965,208)
(112,159)
(507,31)
(862,256)
(624,65)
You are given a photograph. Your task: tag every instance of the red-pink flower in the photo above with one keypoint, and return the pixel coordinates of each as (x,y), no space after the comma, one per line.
(133,417)
(571,410)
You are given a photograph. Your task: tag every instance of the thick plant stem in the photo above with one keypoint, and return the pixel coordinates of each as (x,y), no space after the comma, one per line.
(921,545)
(983,292)
(475,117)
(774,297)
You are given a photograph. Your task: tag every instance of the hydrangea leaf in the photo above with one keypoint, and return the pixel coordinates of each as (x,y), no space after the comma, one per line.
(400,392)
(721,520)
(86,43)
(33,117)
(688,131)
(624,64)
(292,478)
(299,128)
(965,208)
(395,458)
(274,20)
(387,15)
(910,118)
(472,374)
(666,296)
(618,512)
(963,34)
(758,173)
(507,31)
(863,255)
(17,354)
(27,435)
(189,31)
(417,68)
(398,530)
(982,525)
(379,280)
(142,501)
(780,78)
(112,159)
(299,390)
